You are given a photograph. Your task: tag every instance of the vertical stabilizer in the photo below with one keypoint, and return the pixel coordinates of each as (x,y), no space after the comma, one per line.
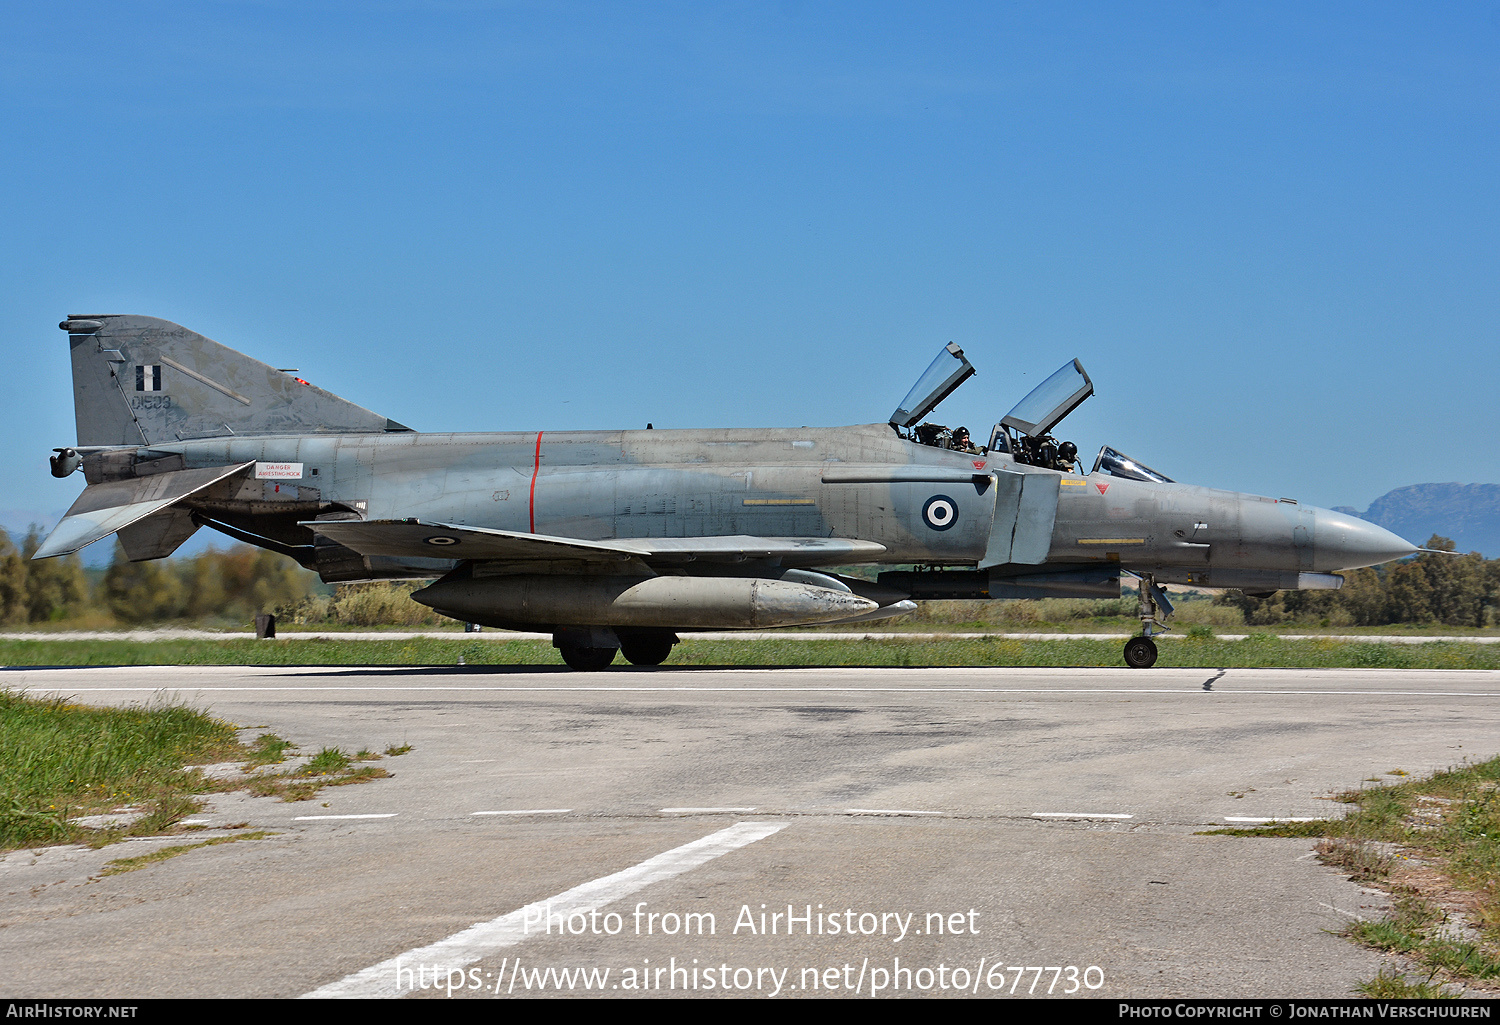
(144,381)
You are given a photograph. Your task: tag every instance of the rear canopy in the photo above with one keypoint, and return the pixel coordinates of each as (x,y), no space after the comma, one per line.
(1046,404)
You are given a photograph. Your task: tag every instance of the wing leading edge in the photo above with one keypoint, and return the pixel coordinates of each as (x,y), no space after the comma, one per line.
(447,540)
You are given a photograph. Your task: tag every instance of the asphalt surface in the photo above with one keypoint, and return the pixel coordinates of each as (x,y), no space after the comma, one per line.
(1019,818)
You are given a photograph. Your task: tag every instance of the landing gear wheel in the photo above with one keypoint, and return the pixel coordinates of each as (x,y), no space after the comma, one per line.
(646,649)
(1140,653)
(587,660)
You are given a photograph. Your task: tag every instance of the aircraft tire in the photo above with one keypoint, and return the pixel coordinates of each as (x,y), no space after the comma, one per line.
(649,649)
(587,660)
(1140,653)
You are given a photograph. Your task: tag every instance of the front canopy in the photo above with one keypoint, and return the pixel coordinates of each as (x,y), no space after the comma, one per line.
(937,382)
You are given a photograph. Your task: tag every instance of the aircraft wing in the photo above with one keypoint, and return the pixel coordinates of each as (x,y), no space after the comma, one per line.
(446,540)
(737,546)
(105,508)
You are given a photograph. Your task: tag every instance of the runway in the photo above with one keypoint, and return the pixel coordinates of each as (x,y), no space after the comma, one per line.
(1012,817)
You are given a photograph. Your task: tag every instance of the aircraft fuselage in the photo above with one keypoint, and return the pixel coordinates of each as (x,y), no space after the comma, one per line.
(614,540)
(926,505)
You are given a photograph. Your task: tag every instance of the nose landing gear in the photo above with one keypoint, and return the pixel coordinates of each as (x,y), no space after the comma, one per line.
(1140,653)
(1154,609)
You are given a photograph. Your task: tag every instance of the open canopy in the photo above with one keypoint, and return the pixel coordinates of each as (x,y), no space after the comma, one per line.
(1050,401)
(937,382)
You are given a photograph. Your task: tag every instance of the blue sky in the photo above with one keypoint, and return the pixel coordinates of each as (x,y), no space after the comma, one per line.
(1268,230)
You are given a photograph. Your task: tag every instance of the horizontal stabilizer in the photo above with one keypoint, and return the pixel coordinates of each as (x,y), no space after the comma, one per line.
(103,509)
(425,538)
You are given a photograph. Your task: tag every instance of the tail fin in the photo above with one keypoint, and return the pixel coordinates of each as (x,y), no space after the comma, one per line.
(143,381)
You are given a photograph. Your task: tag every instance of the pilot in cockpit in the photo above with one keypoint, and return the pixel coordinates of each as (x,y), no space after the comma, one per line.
(1023,433)
(1067,457)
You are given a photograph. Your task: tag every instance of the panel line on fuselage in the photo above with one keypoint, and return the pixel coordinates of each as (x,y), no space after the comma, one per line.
(536,468)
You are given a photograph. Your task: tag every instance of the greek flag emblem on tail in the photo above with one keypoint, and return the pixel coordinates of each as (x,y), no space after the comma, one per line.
(148,378)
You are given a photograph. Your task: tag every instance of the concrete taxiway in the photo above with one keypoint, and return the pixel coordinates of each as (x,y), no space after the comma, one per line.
(1019,818)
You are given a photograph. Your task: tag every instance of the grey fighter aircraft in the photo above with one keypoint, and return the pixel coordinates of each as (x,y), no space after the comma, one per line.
(618,541)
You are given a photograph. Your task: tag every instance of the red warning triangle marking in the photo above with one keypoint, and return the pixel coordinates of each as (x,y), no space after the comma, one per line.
(1102,488)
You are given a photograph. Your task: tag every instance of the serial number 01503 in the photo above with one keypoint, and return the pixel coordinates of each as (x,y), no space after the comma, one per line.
(151,402)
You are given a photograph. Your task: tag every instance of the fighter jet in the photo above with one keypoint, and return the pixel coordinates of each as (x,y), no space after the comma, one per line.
(619,541)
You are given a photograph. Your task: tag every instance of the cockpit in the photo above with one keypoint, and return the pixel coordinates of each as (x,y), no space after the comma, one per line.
(1023,434)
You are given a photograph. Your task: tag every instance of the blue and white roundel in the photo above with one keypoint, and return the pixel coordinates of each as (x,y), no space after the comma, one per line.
(940,512)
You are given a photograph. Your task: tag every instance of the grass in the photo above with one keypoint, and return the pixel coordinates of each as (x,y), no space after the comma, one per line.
(1260,650)
(268,749)
(330,767)
(1396,986)
(60,761)
(1434,845)
(325,763)
(119,865)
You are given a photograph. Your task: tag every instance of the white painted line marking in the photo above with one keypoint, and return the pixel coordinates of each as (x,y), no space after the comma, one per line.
(1242,818)
(526,811)
(316,818)
(887,811)
(1194,688)
(707,811)
(1078,815)
(194,822)
(484,938)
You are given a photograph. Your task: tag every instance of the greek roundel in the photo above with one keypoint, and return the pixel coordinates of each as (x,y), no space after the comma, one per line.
(940,512)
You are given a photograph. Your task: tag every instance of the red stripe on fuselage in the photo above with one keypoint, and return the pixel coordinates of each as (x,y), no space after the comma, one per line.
(535,469)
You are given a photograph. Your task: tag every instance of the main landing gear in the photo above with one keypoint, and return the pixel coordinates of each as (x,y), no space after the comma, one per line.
(1154,609)
(646,647)
(592,649)
(585,659)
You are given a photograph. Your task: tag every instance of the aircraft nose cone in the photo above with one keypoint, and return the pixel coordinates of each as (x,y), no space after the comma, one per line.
(1348,542)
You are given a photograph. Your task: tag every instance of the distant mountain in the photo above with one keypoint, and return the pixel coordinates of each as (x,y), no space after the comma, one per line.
(1468,513)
